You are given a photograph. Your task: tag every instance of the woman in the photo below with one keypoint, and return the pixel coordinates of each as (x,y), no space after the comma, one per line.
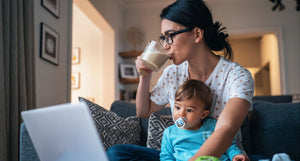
(189,36)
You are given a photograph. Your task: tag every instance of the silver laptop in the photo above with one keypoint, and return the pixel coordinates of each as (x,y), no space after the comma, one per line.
(64,132)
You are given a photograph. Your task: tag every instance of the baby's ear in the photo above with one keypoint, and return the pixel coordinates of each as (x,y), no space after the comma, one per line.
(205,113)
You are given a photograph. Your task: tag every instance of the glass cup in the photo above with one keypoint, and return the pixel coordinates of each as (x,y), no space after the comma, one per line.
(154,56)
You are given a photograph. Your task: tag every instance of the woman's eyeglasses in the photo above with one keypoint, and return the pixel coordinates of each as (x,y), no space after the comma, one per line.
(168,38)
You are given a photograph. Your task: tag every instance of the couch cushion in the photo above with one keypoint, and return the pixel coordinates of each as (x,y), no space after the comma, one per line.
(112,128)
(125,109)
(156,127)
(275,128)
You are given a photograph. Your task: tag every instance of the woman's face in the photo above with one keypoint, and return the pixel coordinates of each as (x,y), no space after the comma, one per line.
(183,44)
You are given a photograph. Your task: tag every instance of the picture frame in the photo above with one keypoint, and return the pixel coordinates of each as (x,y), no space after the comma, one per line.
(49,44)
(52,6)
(76,55)
(128,71)
(75,80)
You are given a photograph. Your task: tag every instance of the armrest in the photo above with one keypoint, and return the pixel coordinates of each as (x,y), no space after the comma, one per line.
(27,151)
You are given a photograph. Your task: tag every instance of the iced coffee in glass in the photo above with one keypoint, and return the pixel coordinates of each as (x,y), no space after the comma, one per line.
(154,56)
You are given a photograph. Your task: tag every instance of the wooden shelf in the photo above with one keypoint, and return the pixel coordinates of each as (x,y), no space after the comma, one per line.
(128,81)
(130,54)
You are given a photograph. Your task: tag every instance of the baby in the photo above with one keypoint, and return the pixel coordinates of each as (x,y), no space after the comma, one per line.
(181,141)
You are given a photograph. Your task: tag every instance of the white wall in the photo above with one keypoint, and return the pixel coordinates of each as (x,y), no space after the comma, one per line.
(144,16)
(88,37)
(270,55)
(112,12)
(246,51)
(257,15)
(237,15)
(53,82)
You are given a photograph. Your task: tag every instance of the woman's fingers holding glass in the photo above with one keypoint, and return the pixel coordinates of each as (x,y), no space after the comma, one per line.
(142,69)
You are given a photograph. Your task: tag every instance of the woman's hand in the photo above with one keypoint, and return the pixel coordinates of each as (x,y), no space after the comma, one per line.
(142,70)
(240,157)
(228,124)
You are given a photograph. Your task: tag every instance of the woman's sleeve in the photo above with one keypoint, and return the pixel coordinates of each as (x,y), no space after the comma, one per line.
(158,93)
(166,153)
(241,84)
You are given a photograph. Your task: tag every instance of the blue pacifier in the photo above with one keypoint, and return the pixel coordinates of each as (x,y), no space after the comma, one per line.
(180,122)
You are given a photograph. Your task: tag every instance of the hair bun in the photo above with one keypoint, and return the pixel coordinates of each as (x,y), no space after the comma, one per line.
(220,37)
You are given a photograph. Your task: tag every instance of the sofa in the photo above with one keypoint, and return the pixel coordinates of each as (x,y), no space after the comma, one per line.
(273,126)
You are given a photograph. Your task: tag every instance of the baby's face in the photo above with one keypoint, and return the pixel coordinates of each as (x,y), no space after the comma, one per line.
(192,109)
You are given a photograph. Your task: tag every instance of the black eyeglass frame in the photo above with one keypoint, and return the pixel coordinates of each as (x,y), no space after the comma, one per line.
(163,38)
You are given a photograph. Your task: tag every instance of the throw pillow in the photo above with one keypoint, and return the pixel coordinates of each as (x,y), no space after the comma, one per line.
(156,127)
(112,128)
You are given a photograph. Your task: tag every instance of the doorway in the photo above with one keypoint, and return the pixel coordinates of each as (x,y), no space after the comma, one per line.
(260,54)
(93,69)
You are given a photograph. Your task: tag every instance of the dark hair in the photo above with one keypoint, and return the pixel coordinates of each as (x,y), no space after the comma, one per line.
(194,13)
(195,88)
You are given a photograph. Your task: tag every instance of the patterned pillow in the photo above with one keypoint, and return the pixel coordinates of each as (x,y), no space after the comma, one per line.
(112,128)
(156,127)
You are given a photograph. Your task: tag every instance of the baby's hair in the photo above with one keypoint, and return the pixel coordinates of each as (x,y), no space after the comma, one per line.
(195,88)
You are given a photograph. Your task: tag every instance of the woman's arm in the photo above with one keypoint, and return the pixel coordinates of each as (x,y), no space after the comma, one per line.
(228,124)
(144,106)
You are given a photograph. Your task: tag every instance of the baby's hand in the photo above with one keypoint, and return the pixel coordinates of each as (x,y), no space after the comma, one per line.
(240,157)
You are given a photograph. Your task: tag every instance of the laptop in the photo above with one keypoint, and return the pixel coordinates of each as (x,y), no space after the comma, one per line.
(63,133)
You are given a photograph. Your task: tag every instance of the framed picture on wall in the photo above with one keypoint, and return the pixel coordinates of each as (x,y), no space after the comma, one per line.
(128,71)
(75,55)
(49,44)
(75,80)
(52,6)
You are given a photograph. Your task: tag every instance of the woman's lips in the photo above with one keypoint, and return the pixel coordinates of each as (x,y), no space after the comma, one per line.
(170,56)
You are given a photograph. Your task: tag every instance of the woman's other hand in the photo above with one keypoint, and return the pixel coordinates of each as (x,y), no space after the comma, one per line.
(142,69)
(240,157)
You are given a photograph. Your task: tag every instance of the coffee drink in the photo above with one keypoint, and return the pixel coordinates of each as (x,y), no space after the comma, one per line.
(154,61)
(154,56)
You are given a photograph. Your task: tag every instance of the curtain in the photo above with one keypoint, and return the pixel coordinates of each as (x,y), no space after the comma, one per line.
(17,72)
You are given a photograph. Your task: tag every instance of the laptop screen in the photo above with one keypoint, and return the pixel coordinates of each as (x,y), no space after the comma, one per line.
(64,132)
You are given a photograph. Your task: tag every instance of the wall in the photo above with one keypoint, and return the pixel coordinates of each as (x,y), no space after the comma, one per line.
(145,16)
(88,37)
(270,55)
(53,82)
(256,15)
(112,12)
(246,51)
(107,53)
(239,16)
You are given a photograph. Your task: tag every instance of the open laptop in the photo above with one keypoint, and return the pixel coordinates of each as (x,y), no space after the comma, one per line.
(63,133)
